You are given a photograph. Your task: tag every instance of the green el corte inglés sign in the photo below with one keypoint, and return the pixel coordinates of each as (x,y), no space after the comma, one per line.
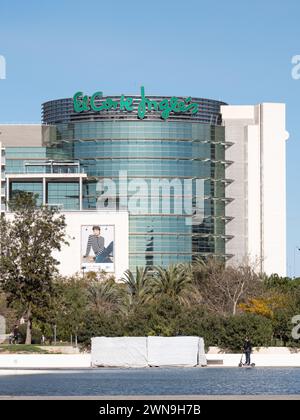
(83,103)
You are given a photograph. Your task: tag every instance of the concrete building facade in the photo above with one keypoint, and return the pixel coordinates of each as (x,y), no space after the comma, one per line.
(258,210)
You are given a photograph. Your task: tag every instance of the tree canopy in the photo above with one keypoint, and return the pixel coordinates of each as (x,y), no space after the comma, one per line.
(28,236)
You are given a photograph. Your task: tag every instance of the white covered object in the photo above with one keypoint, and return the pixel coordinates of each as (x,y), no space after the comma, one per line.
(201,353)
(173,351)
(119,351)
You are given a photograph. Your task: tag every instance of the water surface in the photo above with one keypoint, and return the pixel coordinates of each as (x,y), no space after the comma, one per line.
(155,381)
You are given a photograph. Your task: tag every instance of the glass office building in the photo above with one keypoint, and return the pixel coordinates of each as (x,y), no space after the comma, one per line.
(27,167)
(66,160)
(115,144)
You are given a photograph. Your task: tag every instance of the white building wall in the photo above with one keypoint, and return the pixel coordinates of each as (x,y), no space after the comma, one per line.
(70,255)
(21,135)
(274,187)
(259,226)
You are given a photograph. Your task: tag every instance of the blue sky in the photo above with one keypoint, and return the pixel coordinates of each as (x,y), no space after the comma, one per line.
(236,51)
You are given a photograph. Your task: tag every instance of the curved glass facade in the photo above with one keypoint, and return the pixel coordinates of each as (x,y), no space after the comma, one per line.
(183,148)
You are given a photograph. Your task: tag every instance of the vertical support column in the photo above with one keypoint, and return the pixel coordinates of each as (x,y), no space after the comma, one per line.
(7,192)
(80,193)
(44,191)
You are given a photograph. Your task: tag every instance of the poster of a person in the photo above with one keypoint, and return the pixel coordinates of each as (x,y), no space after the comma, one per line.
(97,247)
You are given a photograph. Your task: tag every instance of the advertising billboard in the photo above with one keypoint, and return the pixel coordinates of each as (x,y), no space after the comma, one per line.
(97,247)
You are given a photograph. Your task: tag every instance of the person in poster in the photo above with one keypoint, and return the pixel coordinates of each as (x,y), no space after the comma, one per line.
(96,243)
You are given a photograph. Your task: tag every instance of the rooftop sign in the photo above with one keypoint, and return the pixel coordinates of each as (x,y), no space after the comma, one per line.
(83,103)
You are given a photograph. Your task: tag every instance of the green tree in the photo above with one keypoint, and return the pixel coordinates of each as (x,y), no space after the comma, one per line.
(27,266)
(105,296)
(155,317)
(282,327)
(137,285)
(238,327)
(282,284)
(71,305)
(197,321)
(174,282)
(95,324)
(285,308)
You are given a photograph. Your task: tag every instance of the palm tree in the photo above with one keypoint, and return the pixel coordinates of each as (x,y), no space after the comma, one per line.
(106,296)
(176,282)
(137,284)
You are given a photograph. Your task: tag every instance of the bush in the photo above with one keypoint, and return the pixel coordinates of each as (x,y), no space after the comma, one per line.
(155,318)
(197,321)
(100,324)
(146,321)
(282,327)
(236,328)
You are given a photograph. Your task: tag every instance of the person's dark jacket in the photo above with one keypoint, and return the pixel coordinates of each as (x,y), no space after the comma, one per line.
(247,346)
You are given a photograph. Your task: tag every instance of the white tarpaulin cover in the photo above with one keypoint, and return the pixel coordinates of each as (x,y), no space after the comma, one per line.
(119,351)
(173,351)
(148,351)
(201,353)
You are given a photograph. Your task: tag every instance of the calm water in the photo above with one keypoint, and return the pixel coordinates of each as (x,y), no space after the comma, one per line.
(155,382)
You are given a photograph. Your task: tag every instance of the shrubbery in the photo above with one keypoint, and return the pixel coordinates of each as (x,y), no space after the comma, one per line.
(207,298)
(170,303)
(238,327)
